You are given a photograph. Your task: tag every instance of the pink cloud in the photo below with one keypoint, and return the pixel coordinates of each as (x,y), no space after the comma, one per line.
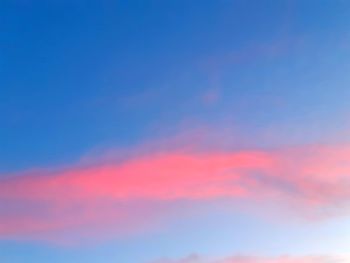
(102,197)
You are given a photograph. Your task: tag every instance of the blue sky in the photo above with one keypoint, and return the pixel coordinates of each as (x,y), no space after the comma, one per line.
(84,83)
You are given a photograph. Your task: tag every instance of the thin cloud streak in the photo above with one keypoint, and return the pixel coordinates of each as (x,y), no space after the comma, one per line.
(252,259)
(312,178)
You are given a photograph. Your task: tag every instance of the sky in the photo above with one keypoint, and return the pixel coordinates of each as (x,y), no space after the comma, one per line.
(175,131)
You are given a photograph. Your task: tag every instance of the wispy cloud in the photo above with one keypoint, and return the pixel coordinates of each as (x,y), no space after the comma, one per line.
(114,195)
(254,259)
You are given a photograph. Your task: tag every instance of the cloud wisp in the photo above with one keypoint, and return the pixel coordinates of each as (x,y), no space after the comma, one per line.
(253,259)
(94,199)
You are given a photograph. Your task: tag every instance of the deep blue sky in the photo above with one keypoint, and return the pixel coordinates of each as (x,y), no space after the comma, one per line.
(77,74)
(79,77)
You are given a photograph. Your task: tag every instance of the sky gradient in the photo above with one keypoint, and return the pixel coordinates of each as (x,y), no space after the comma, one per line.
(175,131)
